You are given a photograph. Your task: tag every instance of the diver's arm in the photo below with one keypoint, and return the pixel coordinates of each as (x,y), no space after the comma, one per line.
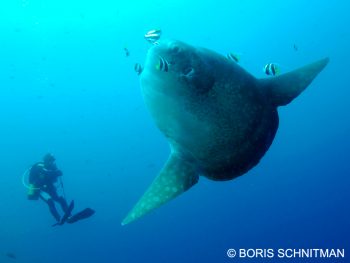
(53,173)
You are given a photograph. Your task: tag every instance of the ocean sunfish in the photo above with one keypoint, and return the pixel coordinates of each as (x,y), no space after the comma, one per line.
(219,119)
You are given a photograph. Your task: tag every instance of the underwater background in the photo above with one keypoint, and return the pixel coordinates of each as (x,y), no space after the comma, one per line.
(67,87)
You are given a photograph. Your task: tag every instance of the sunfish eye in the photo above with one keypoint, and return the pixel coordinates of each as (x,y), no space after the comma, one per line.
(176,49)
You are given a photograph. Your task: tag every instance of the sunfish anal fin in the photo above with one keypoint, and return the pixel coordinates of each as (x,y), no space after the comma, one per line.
(176,177)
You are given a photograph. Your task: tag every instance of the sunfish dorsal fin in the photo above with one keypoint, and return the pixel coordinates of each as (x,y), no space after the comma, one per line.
(284,88)
(176,177)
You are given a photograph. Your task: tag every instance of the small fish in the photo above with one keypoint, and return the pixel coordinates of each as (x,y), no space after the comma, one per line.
(271,69)
(163,64)
(127,52)
(138,68)
(233,57)
(295,47)
(153,36)
(11,255)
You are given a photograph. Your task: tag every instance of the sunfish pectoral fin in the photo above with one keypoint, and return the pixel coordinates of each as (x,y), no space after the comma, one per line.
(284,88)
(176,177)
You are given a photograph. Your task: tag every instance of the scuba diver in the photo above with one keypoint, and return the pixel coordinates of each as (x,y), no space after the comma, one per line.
(43,177)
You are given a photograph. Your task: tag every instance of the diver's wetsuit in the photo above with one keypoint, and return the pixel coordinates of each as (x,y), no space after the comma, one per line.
(44,178)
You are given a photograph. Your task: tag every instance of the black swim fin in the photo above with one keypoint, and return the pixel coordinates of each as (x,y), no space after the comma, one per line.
(86,213)
(66,215)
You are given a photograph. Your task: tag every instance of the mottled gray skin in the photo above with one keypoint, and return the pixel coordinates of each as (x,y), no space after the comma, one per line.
(212,111)
(218,119)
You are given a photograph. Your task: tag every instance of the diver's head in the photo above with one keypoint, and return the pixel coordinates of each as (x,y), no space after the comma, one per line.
(48,159)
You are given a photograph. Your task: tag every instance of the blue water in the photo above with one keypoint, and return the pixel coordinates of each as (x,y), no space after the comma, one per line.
(67,87)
